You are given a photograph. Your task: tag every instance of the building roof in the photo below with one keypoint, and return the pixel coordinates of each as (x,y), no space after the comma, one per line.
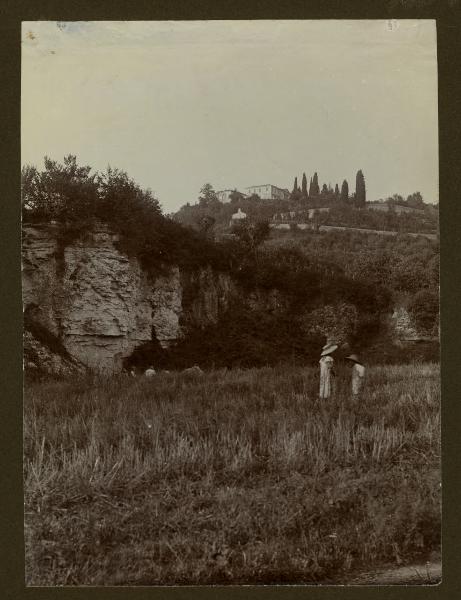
(264,185)
(233,190)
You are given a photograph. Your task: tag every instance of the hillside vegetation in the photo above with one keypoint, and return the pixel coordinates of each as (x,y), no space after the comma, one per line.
(334,285)
(234,477)
(214,216)
(407,267)
(77,199)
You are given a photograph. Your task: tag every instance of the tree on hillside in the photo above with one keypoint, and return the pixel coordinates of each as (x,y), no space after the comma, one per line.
(296,192)
(254,198)
(415,200)
(395,200)
(424,308)
(304,186)
(29,175)
(61,192)
(208,198)
(205,225)
(236,196)
(360,192)
(123,196)
(345,191)
(337,191)
(324,190)
(251,235)
(314,189)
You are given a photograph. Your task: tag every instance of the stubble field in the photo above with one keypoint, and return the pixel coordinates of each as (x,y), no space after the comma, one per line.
(233,477)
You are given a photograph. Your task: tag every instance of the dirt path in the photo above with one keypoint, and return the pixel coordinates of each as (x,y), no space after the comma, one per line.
(425,574)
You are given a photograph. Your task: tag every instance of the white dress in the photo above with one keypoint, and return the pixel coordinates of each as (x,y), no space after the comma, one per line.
(326,366)
(358,373)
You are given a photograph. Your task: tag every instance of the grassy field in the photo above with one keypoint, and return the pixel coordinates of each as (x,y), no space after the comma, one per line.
(231,477)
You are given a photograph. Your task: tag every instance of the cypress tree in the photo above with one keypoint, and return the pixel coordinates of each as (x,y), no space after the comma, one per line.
(337,191)
(360,192)
(295,192)
(344,191)
(311,188)
(304,186)
(315,184)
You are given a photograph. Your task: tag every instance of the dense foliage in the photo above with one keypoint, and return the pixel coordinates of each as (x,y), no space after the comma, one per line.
(76,199)
(405,267)
(314,300)
(402,263)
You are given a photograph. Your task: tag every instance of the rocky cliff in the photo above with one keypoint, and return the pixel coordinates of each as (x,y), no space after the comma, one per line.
(87,304)
(101,305)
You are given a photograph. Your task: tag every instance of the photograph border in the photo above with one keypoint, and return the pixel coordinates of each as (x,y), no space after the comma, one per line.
(447,16)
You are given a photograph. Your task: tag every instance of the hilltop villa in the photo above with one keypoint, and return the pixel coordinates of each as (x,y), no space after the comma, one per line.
(268,192)
(265,192)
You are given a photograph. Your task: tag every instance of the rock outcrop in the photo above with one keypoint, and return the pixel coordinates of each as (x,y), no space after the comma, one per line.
(102,305)
(43,359)
(403,327)
(88,305)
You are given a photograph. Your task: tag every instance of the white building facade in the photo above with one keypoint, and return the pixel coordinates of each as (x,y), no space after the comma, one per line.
(268,192)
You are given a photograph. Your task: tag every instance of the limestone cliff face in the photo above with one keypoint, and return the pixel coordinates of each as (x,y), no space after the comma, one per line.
(93,305)
(206,295)
(102,305)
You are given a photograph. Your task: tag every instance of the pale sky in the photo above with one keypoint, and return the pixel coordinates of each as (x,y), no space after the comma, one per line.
(236,103)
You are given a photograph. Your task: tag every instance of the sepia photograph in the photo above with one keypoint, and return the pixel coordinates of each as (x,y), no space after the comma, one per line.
(230,286)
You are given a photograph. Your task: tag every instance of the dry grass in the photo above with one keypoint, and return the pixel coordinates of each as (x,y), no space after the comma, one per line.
(234,477)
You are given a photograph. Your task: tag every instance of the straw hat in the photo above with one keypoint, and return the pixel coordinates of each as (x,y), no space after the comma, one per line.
(354,358)
(328,349)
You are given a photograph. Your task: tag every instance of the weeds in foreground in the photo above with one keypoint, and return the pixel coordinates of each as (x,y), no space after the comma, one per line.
(233,477)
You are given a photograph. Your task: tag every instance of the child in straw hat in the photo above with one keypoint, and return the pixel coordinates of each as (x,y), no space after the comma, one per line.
(358,373)
(326,370)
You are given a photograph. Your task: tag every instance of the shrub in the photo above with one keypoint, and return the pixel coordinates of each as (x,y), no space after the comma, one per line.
(424,308)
